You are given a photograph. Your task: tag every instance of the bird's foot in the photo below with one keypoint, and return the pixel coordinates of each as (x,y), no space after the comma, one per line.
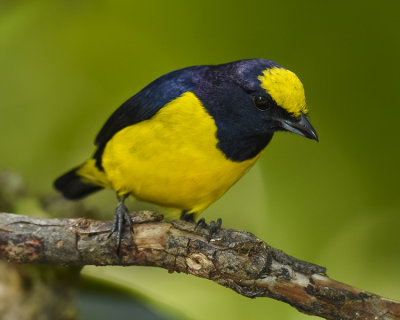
(188,217)
(121,218)
(201,223)
(213,227)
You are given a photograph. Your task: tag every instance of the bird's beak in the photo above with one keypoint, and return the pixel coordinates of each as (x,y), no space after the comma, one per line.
(301,126)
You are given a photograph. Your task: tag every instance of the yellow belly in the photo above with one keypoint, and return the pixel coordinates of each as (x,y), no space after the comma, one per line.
(172,159)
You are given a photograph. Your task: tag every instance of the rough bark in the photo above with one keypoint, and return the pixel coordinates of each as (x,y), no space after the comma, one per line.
(234,259)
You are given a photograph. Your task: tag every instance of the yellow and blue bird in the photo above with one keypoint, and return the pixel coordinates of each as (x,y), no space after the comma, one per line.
(187,137)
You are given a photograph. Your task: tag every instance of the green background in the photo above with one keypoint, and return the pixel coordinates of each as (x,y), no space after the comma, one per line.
(66,65)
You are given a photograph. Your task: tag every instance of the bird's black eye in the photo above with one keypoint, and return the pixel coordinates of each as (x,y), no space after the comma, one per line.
(262,102)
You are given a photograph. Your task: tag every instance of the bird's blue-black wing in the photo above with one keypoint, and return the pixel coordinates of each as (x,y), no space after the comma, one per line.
(144,105)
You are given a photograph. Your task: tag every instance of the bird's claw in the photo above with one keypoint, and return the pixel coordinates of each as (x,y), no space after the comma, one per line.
(213,228)
(201,223)
(120,218)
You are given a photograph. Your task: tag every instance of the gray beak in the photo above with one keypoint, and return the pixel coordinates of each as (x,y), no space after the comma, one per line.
(301,126)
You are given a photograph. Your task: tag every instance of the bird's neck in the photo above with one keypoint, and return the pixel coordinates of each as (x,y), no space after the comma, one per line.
(241,147)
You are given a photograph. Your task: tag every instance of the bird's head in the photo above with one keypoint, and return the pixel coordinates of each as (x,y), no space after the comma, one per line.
(249,101)
(277,96)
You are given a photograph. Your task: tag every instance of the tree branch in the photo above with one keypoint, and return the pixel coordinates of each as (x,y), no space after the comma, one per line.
(234,259)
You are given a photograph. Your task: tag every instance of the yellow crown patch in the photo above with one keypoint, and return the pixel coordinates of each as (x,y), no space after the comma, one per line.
(285,88)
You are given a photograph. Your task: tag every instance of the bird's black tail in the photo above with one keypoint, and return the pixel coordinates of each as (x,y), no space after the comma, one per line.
(72,187)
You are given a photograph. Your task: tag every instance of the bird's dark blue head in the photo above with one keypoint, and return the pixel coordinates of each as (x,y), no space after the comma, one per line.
(250,100)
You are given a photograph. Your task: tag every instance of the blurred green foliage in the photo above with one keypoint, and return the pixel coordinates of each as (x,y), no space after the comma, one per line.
(66,65)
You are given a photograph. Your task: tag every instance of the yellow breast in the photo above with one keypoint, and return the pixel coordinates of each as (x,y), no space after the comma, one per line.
(172,159)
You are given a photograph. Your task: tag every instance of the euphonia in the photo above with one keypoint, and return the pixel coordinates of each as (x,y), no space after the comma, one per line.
(187,137)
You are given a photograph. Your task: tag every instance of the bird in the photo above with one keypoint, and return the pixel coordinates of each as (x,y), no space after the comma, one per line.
(188,136)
